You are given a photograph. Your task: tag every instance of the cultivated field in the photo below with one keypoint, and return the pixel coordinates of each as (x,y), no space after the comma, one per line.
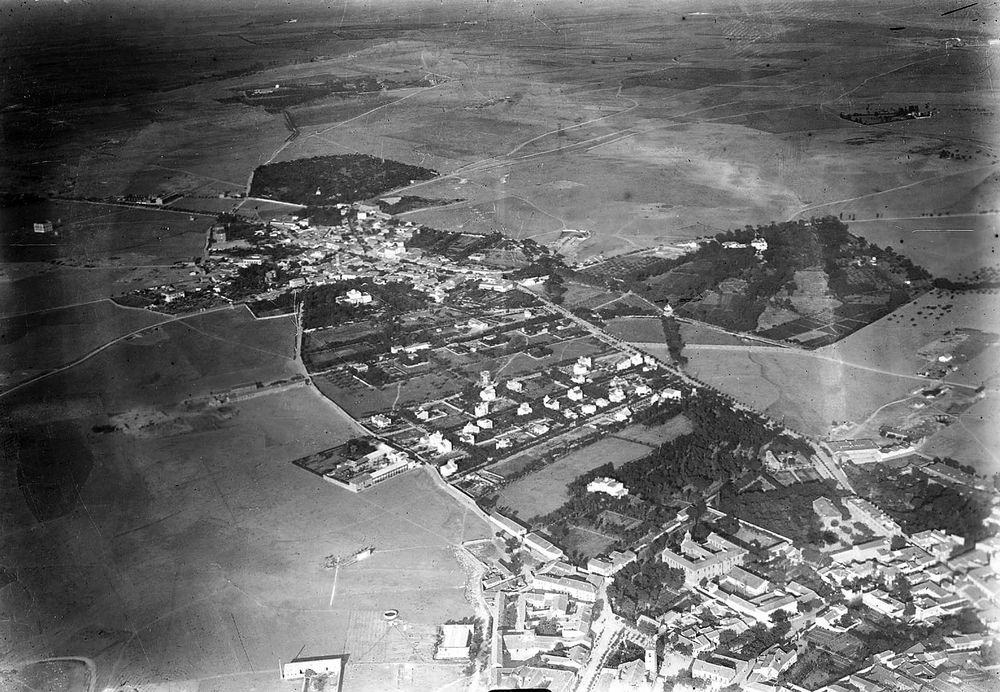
(656,435)
(90,233)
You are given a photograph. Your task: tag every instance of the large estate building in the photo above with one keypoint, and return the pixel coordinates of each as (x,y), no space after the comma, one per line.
(712,559)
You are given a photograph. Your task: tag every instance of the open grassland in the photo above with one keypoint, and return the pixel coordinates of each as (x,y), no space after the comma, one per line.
(43,340)
(974,438)
(806,392)
(197,559)
(542,491)
(891,343)
(93,232)
(688,127)
(636,329)
(849,380)
(944,245)
(170,362)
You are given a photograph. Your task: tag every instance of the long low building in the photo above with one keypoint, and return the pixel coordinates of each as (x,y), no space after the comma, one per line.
(508,525)
(575,588)
(543,547)
(381,464)
(856,451)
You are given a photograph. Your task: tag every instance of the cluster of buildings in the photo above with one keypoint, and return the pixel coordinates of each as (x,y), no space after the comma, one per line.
(957,668)
(503,417)
(932,571)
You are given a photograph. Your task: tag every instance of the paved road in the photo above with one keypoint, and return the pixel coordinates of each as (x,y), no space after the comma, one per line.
(605,643)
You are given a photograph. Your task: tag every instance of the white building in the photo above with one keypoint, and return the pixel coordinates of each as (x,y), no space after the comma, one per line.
(437,442)
(524,409)
(356,297)
(575,394)
(471,429)
(610,486)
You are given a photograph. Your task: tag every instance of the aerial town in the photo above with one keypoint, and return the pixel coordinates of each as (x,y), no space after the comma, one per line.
(467,346)
(735,605)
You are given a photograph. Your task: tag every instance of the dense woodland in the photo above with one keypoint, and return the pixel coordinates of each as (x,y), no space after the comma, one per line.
(330,179)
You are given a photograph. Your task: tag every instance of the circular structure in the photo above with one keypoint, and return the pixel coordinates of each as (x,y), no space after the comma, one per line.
(390,614)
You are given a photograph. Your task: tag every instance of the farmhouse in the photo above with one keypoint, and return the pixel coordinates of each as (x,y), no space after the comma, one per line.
(607,566)
(575,588)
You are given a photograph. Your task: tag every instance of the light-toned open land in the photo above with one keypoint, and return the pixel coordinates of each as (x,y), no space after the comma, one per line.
(198,559)
(694,124)
(851,379)
(193,552)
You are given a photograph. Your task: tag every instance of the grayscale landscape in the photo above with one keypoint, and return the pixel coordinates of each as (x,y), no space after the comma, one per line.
(412,345)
